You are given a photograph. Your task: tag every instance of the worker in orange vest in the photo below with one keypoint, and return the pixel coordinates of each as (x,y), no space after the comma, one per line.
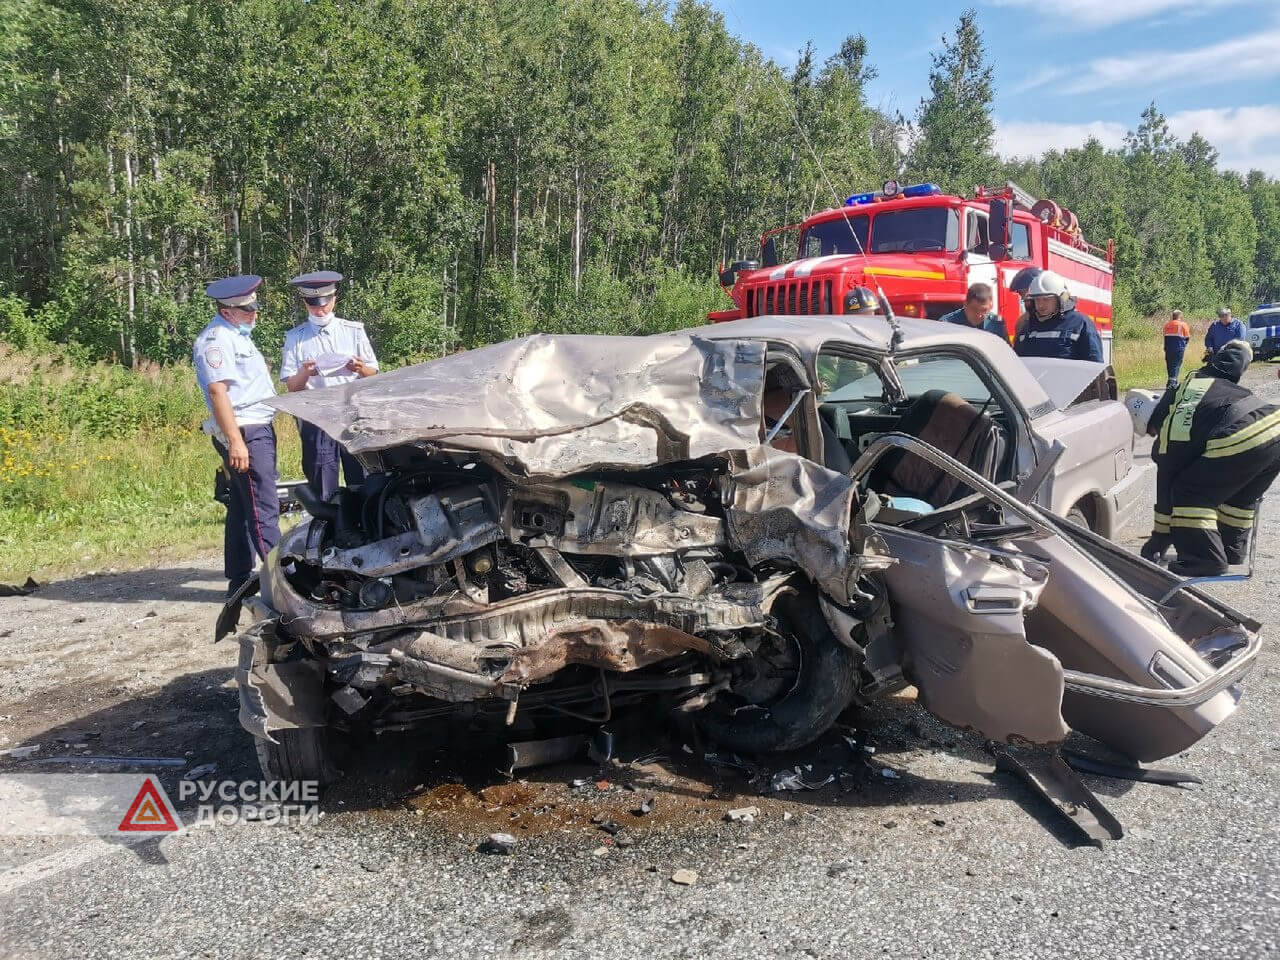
(1176,335)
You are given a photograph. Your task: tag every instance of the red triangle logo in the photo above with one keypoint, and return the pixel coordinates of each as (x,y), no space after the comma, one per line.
(150,811)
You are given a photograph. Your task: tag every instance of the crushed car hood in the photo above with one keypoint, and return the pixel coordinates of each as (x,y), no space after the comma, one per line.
(556,405)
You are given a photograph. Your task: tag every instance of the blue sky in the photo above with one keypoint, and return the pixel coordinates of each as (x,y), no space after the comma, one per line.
(1066,69)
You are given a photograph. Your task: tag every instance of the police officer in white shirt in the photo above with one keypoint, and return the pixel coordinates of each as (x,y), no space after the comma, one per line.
(322,351)
(234,377)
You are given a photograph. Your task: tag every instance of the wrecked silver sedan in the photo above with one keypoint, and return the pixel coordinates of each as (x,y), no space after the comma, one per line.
(559,528)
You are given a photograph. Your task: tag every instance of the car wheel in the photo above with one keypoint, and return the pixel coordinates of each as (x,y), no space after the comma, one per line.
(818,681)
(1077,516)
(299,754)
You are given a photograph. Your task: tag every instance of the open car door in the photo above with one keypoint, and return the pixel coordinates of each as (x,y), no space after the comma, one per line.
(1020,626)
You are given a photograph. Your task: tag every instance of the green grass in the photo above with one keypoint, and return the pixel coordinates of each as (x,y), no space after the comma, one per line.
(1140,362)
(117,503)
(102,467)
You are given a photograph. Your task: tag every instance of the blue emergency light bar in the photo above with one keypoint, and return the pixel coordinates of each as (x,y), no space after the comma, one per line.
(922,190)
(916,190)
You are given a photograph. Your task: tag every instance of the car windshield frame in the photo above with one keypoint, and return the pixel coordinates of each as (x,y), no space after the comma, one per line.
(911,231)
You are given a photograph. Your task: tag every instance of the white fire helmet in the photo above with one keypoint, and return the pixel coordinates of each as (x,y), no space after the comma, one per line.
(1050,284)
(1141,404)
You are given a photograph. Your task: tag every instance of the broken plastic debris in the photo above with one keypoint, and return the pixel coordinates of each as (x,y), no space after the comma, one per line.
(643,809)
(195,773)
(793,780)
(743,815)
(890,774)
(611,828)
(498,843)
(21,753)
(686,878)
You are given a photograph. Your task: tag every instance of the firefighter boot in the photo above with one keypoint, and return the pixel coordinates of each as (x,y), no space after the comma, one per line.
(1156,547)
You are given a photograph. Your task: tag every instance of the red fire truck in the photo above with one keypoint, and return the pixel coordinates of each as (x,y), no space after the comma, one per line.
(923,249)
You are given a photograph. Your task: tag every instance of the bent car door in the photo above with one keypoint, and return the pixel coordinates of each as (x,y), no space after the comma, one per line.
(1018,626)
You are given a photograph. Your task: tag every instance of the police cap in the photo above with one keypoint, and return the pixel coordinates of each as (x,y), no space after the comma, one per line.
(319,284)
(238,291)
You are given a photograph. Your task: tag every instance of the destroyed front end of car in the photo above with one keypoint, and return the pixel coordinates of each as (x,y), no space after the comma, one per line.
(558,528)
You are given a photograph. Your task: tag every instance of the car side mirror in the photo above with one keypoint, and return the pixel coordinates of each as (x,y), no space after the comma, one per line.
(999,227)
(729,276)
(769,253)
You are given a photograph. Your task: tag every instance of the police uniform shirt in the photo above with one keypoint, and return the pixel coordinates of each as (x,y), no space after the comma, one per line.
(223,354)
(1069,335)
(310,341)
(990,323)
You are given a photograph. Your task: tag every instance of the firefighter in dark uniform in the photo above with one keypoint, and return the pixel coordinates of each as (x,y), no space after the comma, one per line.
(1053,327)
(1217,450)
(236,383)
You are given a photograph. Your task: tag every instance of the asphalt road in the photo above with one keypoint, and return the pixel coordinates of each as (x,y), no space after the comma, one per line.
(948,859)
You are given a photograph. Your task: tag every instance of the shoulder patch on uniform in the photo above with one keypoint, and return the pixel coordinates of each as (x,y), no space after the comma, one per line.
(352,323)
(213,357)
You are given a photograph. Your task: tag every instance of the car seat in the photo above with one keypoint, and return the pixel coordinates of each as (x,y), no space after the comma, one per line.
(956,427)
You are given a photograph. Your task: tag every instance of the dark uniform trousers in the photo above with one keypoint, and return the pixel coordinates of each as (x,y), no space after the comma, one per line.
(1211,477)
(253,511)
(320,456)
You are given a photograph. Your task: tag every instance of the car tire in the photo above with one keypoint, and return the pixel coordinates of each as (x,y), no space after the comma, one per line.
(300,754)
(824,687)
(1077,516)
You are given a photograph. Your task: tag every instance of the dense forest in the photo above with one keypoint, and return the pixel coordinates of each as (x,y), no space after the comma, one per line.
(481,169)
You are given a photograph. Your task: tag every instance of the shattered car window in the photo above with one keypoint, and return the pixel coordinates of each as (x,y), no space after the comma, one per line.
(844,378)
(952,374)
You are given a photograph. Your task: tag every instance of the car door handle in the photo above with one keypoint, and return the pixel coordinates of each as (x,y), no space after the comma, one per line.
(990,600)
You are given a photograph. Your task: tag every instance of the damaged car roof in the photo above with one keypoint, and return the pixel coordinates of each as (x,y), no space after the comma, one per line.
(553,405)
(557,405)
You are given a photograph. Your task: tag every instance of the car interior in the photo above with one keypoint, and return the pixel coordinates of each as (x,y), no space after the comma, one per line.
(946,405)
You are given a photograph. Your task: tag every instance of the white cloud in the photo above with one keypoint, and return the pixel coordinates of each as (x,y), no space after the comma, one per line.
(1034,137)
(1246,137)
(1251,57)
(1101,13)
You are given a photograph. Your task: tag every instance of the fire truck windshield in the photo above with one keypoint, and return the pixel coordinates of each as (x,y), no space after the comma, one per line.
(892,231)
(834,236)
(915,231)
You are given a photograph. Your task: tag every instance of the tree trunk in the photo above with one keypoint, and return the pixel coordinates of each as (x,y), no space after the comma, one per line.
(577,228)
(127,341)
(235,233)
(515,216)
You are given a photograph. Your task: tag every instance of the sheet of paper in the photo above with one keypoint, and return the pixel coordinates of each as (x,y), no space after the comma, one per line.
(331,363)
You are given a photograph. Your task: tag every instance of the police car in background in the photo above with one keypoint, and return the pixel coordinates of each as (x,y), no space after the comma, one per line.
(1264,331)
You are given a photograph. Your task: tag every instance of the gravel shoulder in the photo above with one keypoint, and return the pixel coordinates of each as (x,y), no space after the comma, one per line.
(947,859)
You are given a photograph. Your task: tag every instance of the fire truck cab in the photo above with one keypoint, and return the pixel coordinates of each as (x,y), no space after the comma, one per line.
(922,248)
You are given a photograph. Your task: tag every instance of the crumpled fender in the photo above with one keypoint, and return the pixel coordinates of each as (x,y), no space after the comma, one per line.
(276,696)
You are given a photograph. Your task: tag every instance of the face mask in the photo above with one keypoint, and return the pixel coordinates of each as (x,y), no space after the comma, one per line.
(321,322)
(244,329)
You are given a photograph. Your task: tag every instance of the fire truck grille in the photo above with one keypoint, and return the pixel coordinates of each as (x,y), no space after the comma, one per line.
(790,296)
